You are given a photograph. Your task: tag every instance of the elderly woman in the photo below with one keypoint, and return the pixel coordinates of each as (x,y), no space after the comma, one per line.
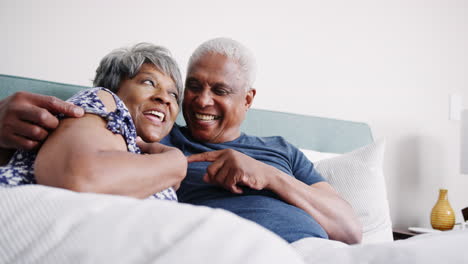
(141,97)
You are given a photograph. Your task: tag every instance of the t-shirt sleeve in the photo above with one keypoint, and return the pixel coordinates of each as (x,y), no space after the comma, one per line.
(303,169)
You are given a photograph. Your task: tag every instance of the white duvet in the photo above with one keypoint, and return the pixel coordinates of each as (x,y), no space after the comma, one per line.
(47,225)
(446,247)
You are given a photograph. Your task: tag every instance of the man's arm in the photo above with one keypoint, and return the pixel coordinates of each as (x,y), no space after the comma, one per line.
(230,169)
(26,119)
(321,201)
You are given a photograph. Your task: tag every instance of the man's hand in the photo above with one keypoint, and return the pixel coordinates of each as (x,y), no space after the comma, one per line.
(232,169)
(26,119)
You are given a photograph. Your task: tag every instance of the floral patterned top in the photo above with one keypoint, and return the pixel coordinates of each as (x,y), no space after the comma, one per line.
(20,168)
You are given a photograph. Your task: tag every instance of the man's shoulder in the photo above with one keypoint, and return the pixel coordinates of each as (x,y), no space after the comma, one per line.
(174,136)
(268,141)
(177,130)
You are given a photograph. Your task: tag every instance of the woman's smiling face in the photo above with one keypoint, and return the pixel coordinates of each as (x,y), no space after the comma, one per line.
(151,98)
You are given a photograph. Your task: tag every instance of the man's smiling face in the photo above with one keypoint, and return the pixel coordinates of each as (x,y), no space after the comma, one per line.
(215,99)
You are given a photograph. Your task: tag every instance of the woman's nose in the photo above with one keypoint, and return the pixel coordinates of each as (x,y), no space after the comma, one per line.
(162,96)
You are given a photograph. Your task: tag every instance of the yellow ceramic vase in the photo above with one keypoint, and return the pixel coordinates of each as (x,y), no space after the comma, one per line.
(442,215)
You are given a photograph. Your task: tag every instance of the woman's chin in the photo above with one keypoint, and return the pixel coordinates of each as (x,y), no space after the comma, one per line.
(151,137)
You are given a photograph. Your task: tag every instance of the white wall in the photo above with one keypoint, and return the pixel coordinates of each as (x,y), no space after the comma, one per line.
(390,63)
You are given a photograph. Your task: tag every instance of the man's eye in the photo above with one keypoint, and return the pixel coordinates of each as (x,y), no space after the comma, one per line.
(149,82)
(220,92)
(194,88)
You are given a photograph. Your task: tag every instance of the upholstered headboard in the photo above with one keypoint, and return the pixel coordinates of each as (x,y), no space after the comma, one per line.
(309,132)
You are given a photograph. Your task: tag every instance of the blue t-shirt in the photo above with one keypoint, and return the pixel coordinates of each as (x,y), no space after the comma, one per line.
(263,207)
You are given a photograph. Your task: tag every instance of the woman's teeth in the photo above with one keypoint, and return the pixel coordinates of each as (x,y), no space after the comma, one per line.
(157,114)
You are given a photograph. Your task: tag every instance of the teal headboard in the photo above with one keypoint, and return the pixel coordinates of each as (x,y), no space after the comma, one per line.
(11,84)
(310,132)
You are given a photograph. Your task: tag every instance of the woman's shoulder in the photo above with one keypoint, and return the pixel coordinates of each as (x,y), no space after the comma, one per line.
(107,105)
(97,100)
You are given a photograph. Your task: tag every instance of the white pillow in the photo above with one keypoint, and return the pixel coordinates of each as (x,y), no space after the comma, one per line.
(358,177)
(316,156)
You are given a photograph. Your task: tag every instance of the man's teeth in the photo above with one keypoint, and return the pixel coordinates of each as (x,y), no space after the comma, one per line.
(205,117)
(157,114)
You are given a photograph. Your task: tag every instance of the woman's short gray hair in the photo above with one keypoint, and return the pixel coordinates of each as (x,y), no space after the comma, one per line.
(126,62)
(231,49)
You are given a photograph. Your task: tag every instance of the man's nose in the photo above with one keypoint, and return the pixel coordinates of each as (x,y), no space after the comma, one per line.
(204,99)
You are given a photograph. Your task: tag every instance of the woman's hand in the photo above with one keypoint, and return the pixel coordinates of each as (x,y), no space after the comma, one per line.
(153,148)
(178,160)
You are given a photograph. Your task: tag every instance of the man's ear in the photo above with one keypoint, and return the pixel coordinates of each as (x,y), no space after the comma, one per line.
(249,97)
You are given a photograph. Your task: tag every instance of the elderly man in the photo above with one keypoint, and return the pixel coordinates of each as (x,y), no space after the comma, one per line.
(266,180)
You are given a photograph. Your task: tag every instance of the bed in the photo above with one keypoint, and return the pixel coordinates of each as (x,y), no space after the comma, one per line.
(40,224)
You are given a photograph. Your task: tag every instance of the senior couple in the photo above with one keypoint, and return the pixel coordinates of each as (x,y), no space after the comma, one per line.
(209,162)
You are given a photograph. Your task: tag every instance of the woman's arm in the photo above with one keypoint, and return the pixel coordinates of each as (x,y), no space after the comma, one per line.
(83,155)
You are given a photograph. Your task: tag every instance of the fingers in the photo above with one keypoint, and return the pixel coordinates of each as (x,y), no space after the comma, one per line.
(41,109)
(38,116)
(205,156)
(30,131)
(144,147)
(19,142)
(229,178)
(220,173)
(151,148)
(57,106)
(233,180)
(25,118)
(213,171)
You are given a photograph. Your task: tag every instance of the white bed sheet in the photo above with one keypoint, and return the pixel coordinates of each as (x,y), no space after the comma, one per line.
(47,225)
(445,247)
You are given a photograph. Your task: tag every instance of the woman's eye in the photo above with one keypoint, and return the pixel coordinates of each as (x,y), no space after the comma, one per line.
(176,96)
(149,82)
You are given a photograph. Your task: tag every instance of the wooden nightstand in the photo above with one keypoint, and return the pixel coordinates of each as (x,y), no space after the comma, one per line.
(402,234)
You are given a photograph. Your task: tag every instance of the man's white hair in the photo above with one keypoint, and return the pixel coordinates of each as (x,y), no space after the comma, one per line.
(231,49)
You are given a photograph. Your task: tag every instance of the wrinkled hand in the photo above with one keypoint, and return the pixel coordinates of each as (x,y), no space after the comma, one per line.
(153,147)
(26,119)
(232,169)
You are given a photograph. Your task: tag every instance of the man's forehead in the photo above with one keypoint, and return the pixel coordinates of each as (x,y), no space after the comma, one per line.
(215,62)
(215,66)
